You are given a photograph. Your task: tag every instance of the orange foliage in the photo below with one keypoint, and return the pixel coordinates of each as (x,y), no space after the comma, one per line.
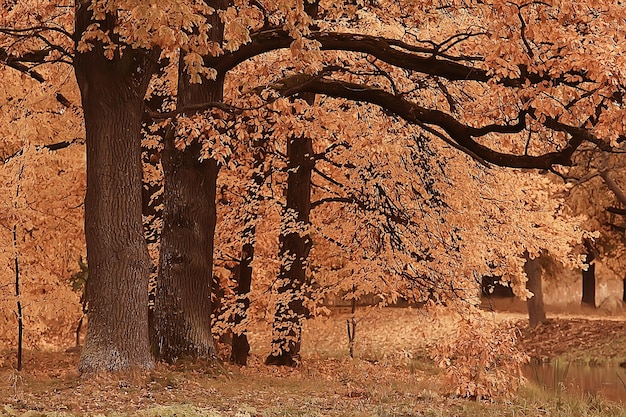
(482,359)
(410,210)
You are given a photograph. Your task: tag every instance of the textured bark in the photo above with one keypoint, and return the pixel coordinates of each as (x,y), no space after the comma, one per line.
(294,251)
(536,311)
(589,280)
(112,98)
(182,309)
(183,296)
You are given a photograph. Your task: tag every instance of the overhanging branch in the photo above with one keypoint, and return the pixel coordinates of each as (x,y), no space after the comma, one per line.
(425,60)
(459,133)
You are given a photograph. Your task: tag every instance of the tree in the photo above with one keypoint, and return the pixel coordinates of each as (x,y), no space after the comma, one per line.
(112,91)
(295,244)
(547,68)
(183,288)
(595,192)
(536,312)
(243,271)
(41,140)
(113,68)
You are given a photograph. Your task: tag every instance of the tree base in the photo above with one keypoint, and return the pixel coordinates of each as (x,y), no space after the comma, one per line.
(284,359)
(96,360)
(240,350)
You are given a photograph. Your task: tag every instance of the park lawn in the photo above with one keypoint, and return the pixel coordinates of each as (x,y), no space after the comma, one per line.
(390,376)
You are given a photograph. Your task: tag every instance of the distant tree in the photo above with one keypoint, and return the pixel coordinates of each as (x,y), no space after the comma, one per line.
(536,311)
(596,193)
(42,152)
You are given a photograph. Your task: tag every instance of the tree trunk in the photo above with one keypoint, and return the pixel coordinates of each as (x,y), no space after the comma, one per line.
(182,309)
(183,295)
(294,247)
(243,276)
(152,189)
(536,312)
(294,251)
(589,280)
(112,98)
(243,272)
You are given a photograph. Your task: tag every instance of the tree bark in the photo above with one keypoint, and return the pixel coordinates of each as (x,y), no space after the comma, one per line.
(182,309)
(589,279)
(243,276)
(294,251)
(536,311)
(112,94)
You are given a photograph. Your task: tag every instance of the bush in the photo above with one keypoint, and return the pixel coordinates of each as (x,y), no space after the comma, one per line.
(482,359)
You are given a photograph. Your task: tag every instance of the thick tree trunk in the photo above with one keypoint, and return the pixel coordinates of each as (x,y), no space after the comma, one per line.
(112,97)
(182,309)
(294,251)
(536,311)
(589,280)
(183,295)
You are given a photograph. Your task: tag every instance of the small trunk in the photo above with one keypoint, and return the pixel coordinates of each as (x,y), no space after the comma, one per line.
(624,290)
(294,247)
(19,313)
(152,190)
(243,277)
(294,250)
(243,272)
(589,280)
(536,312)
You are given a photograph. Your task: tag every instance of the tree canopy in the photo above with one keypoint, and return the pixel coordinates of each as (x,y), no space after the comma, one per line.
(417,106)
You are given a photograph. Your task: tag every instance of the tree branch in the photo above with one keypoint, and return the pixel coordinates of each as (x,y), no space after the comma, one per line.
(615,210)
(392,51)
(613,186)
(411,112)
(50,147)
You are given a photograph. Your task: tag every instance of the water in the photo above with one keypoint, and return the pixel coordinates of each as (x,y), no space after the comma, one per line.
(605,382)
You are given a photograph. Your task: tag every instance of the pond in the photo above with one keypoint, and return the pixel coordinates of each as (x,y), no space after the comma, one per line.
(606,382)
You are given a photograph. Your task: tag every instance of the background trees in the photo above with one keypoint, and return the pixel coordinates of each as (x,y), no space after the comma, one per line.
(42,154)
(596,192)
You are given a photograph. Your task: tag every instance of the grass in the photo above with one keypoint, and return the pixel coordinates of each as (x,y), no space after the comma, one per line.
(391,376)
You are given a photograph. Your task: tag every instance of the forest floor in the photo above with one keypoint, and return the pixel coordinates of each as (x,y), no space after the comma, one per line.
(594,341)
(389,376)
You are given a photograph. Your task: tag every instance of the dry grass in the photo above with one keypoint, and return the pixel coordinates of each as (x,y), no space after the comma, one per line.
(390,377)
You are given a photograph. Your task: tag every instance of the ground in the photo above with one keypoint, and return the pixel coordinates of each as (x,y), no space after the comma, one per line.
(390,376)
(589,340)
